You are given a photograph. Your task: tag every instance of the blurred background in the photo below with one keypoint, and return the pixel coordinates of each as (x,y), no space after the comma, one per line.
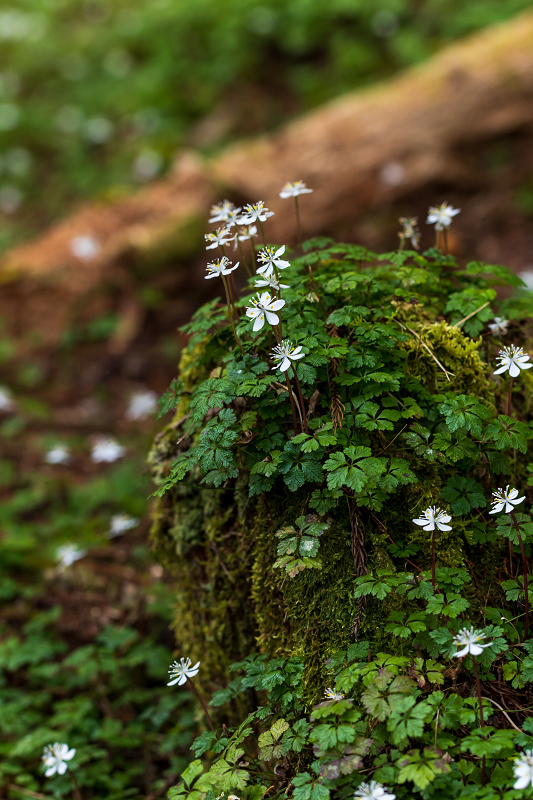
(120,123)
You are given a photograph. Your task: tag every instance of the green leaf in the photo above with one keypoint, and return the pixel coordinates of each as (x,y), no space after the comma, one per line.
(463,494)
(507,432)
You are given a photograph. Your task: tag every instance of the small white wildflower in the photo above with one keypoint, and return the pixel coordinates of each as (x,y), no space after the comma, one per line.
(373,791)
(120,523)
(255,212)
(264,306)
(180,672)
(441,216)
(6,400)
(84,247)
(410,230)
(272,283)
(331,694)
(285,353)
(293,189)
(470,639)
(513,359)
(218,238)
(220,266)
(247,232)
(58,455)
(142,405)
(432,518)
(499,325)
(67,554)
(233,217)
(523,770)
(505,500)
(311,297)
(55,757)
(270,258)
(107,449)
(219,212)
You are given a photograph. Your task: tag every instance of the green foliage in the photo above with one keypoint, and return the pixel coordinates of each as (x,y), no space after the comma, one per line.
(297,550)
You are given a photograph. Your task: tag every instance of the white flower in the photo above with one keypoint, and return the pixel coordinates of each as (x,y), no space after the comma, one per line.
(233,217)
(219,238)
(331,694)
(67,554)
(247,232)
(513,359)
(505,500)
(142,405)
(470,639)
(58,455)
(220,211)
(6,400)
(180,672)
(285,353)
(410,230)
(499,325)
(107,449)
(255,212)
(523,770)
(373,791)
(270,258)
(220,266)
(293,189)
(441,216)
(120,523)
(272,282)
(264,306)
(433,517)
(84,247)
(55,757)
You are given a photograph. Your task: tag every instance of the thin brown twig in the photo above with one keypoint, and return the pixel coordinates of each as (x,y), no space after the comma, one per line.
(473,314)
(507,717)
(433,356)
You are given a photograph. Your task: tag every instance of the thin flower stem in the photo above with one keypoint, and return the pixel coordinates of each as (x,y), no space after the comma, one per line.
(481,718)
(437,237)
(262,231)
(77,790)
(402,243)
(202,703)
(445,236)
(433,559)
(510,397)
(231,314)
(524,568)
(298,226)
(300,395)
(293,407)
(241,251)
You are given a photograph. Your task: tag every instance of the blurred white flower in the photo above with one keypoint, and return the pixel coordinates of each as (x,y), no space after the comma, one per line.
(272,283)
(331,694)
(270,258)
(98,130)
(218,238)
(84,247)
(55,757)
(441,216)
(285,353)
(499,325)
(58,455)
(233,217)
(470,639)
(513,359)
(107,449)
(10,199)
(147,165)
(220,266)
(293,189)
(255,212)
(180,672)
(264,306)
(410,230)
(142,405)
(393,174)
(247,232)
(373,791)
(67,554)
(120,523)
(6,400)
(505,500)
(219,212)
(523,770)
(433,518)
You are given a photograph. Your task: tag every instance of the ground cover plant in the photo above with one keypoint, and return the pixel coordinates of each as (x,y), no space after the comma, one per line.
(96,97)
(344,496)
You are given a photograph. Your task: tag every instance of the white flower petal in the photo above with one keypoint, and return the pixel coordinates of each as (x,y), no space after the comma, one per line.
(501,369)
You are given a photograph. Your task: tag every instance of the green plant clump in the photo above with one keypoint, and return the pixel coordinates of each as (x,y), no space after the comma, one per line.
(334,519)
